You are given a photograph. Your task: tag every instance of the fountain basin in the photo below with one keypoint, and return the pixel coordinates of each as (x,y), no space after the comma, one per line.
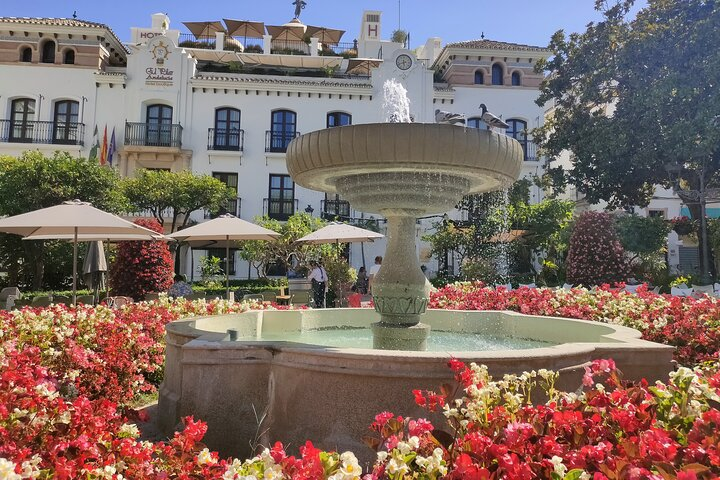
(330,395)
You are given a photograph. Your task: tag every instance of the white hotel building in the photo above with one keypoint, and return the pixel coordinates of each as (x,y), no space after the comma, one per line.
(229,110)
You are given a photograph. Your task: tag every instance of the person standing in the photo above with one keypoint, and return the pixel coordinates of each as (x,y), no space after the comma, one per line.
(318,279)
(374,271)
(361,284)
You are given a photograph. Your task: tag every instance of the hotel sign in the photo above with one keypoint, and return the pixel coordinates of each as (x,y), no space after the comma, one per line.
(159,75)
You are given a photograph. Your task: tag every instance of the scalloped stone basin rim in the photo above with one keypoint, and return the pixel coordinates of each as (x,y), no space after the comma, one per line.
(330,395)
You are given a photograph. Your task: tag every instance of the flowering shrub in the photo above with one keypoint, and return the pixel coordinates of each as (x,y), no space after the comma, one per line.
(683,225)
(595,255)
(142,267)
(691,325)
(610,430)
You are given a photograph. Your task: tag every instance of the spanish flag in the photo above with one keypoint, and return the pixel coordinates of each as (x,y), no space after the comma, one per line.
(104,148)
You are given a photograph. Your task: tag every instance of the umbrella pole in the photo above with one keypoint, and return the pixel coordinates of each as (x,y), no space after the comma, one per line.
(227,267)
(75,239)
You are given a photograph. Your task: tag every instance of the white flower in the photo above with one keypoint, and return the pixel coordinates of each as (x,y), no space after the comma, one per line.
(382,456)
(585,476)
(559,467)
(205,457)
(7,470)
(397,466)
(129,430)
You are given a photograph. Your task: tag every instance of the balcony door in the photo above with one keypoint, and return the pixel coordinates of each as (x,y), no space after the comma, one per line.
(282,130)
(517,129)
(22,120)
(281,201)
(227,129)
(65,122)
(159,125)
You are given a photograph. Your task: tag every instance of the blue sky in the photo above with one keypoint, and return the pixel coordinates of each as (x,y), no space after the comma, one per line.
(521,21)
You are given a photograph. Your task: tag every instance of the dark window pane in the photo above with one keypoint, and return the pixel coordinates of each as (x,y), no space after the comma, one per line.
(497,74)
(479,78)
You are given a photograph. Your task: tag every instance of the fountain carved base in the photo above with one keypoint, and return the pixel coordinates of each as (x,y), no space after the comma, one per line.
(394,336)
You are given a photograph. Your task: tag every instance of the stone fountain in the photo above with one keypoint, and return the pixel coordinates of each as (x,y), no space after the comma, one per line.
(403,171)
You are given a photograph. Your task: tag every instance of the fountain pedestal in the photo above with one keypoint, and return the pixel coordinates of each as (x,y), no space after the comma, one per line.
(400,291)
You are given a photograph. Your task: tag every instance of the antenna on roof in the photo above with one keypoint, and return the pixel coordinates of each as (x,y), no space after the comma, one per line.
(74,13)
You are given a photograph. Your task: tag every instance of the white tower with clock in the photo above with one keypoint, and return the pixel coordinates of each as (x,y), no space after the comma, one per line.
(414,74)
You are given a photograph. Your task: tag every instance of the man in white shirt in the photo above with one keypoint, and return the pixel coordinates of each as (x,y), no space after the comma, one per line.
(318,278)
(374,271)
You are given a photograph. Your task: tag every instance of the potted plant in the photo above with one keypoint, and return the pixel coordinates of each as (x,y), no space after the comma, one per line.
(683,225)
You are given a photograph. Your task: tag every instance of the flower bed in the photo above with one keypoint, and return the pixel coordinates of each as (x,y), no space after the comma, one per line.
(64,371)
(691,325)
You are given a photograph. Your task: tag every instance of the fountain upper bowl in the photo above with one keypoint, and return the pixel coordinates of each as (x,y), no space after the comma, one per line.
(404,168)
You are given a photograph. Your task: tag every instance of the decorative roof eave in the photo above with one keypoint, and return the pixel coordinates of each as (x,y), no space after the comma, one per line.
(447,51)
(282,84)
(443,93)
(65,26)
(110,78)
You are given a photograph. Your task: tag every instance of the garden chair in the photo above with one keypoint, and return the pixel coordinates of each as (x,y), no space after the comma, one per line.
(567,286)
(699,290)
(681,292)
(656,290)
(22,302)
(507,286)
(117,302)
(303,297)
(8,296)
(253,297)
(196,296)
(527,285)
(41,301)
(631,288)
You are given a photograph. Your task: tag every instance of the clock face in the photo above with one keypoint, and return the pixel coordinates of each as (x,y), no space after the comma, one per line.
(403,62)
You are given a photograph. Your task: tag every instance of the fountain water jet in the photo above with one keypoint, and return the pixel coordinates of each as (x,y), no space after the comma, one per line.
(403,171)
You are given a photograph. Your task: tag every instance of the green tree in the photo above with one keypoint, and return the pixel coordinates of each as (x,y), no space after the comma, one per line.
(33,181)
(283,250)
(632,96)
(179,193)
(642,235)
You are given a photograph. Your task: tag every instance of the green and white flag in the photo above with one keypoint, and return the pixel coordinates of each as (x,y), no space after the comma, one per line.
(95,145)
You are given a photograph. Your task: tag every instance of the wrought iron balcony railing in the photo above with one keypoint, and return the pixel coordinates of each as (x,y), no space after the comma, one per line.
(279,209)
(224,139)
(277,142)
(335,210)
(42,132)
(153,134)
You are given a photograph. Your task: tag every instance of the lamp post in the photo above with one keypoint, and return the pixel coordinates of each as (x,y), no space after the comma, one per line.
(700,197)
(309,209)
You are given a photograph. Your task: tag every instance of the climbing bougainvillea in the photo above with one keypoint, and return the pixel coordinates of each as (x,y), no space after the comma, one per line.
(596,255)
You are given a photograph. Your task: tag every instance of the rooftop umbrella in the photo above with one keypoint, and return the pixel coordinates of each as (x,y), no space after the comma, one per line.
(204,29)
(244,28)
(328,36)
(287,33)
(358,65)
(94,268)
(222,231)
(71,218)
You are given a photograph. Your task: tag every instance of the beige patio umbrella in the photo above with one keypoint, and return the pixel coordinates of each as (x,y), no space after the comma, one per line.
(325,35)
(244,28)
(222,231)
(337,232)
(71,218)
(204,29)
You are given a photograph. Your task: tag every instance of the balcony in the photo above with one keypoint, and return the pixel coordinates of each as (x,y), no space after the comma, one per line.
(42,132)
(228,140)
(277,142)
(205,42)
(290,47)
(279,209)
(233,207)
(335,210)
(530,149)
(153,134)
(342,49)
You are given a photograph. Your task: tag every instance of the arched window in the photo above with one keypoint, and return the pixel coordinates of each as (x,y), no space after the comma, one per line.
(497,74)
(477,122)
(69,57)
(48,52)
(282,130)
(338,119)
(65,122)
(517,129)
(227,129)
(26,54)
(22,120)
(516,79)
(159,125)
(479,77)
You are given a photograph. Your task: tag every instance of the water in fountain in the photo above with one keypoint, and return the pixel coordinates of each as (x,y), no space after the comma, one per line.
(396,105)
(503,247)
